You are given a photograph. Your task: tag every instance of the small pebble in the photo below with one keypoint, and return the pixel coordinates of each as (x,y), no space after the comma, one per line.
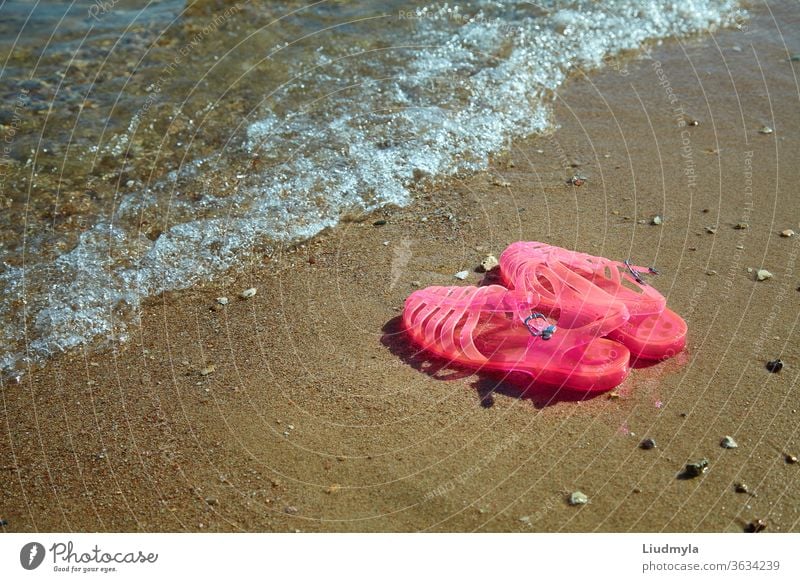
(291,510)
(696,469)
(763,275)
(787,233)
(741,487)
(790,459)
(578,498)
(727,442)
(711,272)
(248,293)
(775,366)
(222,300)
(501,183)
(416,284)
(525,519)
(741,226)
(379,223)
(489,263)
(461,275)
(656,220)
(647,444)
(208,370)
(766,130)
(577,180)
(211,500)
(693,123)
(711,229)
(334,488)
(755,526)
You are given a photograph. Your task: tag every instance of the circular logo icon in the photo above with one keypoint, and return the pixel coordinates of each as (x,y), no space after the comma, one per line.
(31,555)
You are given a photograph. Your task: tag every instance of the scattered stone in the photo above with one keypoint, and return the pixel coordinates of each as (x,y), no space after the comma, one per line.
(211,500)
(711,229)
(693,123)
(290,509)
(755,526)
(222,300)
(488,263)
(647,444)
(577,180)
(775,366)
(696,469)
(711,272)
(525,519)
(790,459)
(656,220)
(727,442)
(740,247)
(379,223)
(501,183)
(208,370)
(416,283)
(763,275)
(787,233)
(248,293)
(766,130)
(578,498)
(741,226)
(334,488)
(740,487)
(461,275)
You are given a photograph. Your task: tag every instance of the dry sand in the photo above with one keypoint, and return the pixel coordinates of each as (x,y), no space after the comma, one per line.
(317,417)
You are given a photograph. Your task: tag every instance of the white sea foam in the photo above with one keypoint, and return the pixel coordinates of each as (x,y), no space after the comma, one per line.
(349,135)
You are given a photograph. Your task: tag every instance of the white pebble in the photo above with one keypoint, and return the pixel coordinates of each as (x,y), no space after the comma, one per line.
(248,293)
(787,233)
(461,275)
(222,300)
(763,274)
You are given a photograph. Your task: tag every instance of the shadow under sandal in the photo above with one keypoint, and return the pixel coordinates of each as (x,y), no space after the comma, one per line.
(493,328)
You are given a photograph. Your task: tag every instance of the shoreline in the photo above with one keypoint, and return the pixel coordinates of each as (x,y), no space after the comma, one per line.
(316,418)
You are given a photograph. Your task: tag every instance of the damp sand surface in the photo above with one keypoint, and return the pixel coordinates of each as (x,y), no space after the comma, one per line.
(302,407)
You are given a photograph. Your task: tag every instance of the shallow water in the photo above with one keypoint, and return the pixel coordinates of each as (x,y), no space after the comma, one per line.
(149,149)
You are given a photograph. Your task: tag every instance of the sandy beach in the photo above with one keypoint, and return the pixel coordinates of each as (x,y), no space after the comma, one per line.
(303,408)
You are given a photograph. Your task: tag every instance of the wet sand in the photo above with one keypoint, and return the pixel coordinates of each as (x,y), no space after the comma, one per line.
(318,417)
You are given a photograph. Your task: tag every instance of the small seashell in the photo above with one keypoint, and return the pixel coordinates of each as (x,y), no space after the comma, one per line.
(248,293)
(727,442)
(763,275)
(578,498)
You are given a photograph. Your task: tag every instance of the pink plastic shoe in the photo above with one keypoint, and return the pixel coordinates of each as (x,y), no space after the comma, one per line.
(582,283)
(493,328)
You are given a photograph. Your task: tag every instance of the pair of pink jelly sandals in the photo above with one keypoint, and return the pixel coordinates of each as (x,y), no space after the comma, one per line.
(567,319)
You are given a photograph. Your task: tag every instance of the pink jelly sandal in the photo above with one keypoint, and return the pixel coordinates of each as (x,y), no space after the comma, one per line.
(582,283)
(493,328)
